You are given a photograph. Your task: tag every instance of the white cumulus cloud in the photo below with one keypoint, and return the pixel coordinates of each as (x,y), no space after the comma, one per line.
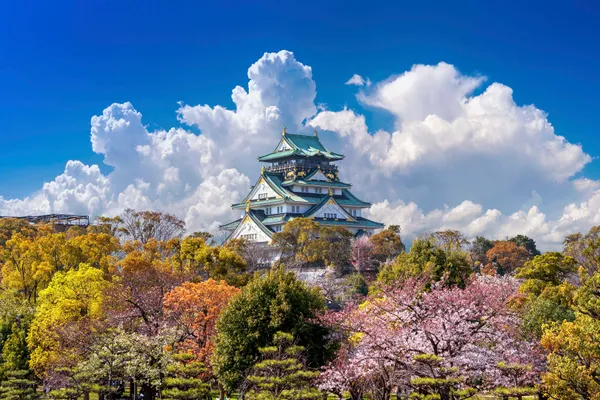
(358,80)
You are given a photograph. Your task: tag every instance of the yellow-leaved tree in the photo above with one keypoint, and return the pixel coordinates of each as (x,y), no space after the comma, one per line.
(96,249)
(574,346)
(23,269)
(67,312)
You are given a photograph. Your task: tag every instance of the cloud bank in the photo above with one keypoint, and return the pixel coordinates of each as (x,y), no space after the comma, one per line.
(461,154)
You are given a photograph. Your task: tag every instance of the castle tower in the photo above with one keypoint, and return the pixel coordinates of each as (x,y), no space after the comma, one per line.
(299,180)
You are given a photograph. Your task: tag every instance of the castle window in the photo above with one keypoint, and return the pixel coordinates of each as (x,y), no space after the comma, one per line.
(304,189)
(318,190)
(250,236)
(262,196)
(330,215)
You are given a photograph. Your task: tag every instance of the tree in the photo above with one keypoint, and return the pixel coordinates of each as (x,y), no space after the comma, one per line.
(194,308)
(183,381)
(95,249)
(445,343)
(15,317)
(281,373)
(201,235)
(145,225)
(113,357)
(107,361)
(255,255)
(527,243)
(277,301)
(144,276)
(451,241)
(66,314)
(336,251)
(387,244)
(362,257)
(479,248)
(216,262)
(549,269)
(15,354)
(22,268)
(549,292)
(299,242)
(18,385)
(574,346)
(506,257)
(585,249)
(12,226)
(427,259)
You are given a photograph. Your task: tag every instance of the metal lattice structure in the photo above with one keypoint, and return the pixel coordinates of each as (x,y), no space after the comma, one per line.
(56,219)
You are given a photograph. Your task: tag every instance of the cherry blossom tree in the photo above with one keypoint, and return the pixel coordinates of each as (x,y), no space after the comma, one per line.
(362,256)
(447,342)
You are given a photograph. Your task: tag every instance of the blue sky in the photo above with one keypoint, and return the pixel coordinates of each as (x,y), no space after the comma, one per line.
(106,105)
(62,62)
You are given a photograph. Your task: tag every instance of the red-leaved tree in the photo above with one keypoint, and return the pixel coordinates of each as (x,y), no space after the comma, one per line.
(194,308)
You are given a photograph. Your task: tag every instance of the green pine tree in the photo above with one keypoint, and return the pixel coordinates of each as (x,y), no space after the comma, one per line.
(18,385)
(281,374)
(183,381)
(437,381)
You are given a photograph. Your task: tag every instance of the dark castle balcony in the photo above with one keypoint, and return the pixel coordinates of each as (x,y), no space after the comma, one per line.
(302,168)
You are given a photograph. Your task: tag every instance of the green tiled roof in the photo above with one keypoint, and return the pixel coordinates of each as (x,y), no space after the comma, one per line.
(351,200)
(302,146)
(277,219)
(231,226)
(258,203)
(279,155)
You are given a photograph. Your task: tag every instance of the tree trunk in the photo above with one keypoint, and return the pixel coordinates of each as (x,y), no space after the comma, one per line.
(148,392)
(86,395)
(355,395)
(222,392)
(131,389)
(444,394)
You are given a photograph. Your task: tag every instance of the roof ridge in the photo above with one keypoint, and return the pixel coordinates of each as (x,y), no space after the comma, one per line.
(299,134)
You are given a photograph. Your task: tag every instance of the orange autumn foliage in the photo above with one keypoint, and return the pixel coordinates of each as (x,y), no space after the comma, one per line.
(505,258)
(195,308)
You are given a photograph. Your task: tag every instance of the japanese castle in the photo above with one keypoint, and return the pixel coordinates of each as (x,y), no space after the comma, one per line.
(299,181)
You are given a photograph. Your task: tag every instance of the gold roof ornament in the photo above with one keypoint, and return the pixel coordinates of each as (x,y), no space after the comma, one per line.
(248,207)
(284,131)
(330,192)
(262,170)
(316,133)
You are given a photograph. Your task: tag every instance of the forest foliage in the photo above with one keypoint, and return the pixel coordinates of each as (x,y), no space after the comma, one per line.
(134,305)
